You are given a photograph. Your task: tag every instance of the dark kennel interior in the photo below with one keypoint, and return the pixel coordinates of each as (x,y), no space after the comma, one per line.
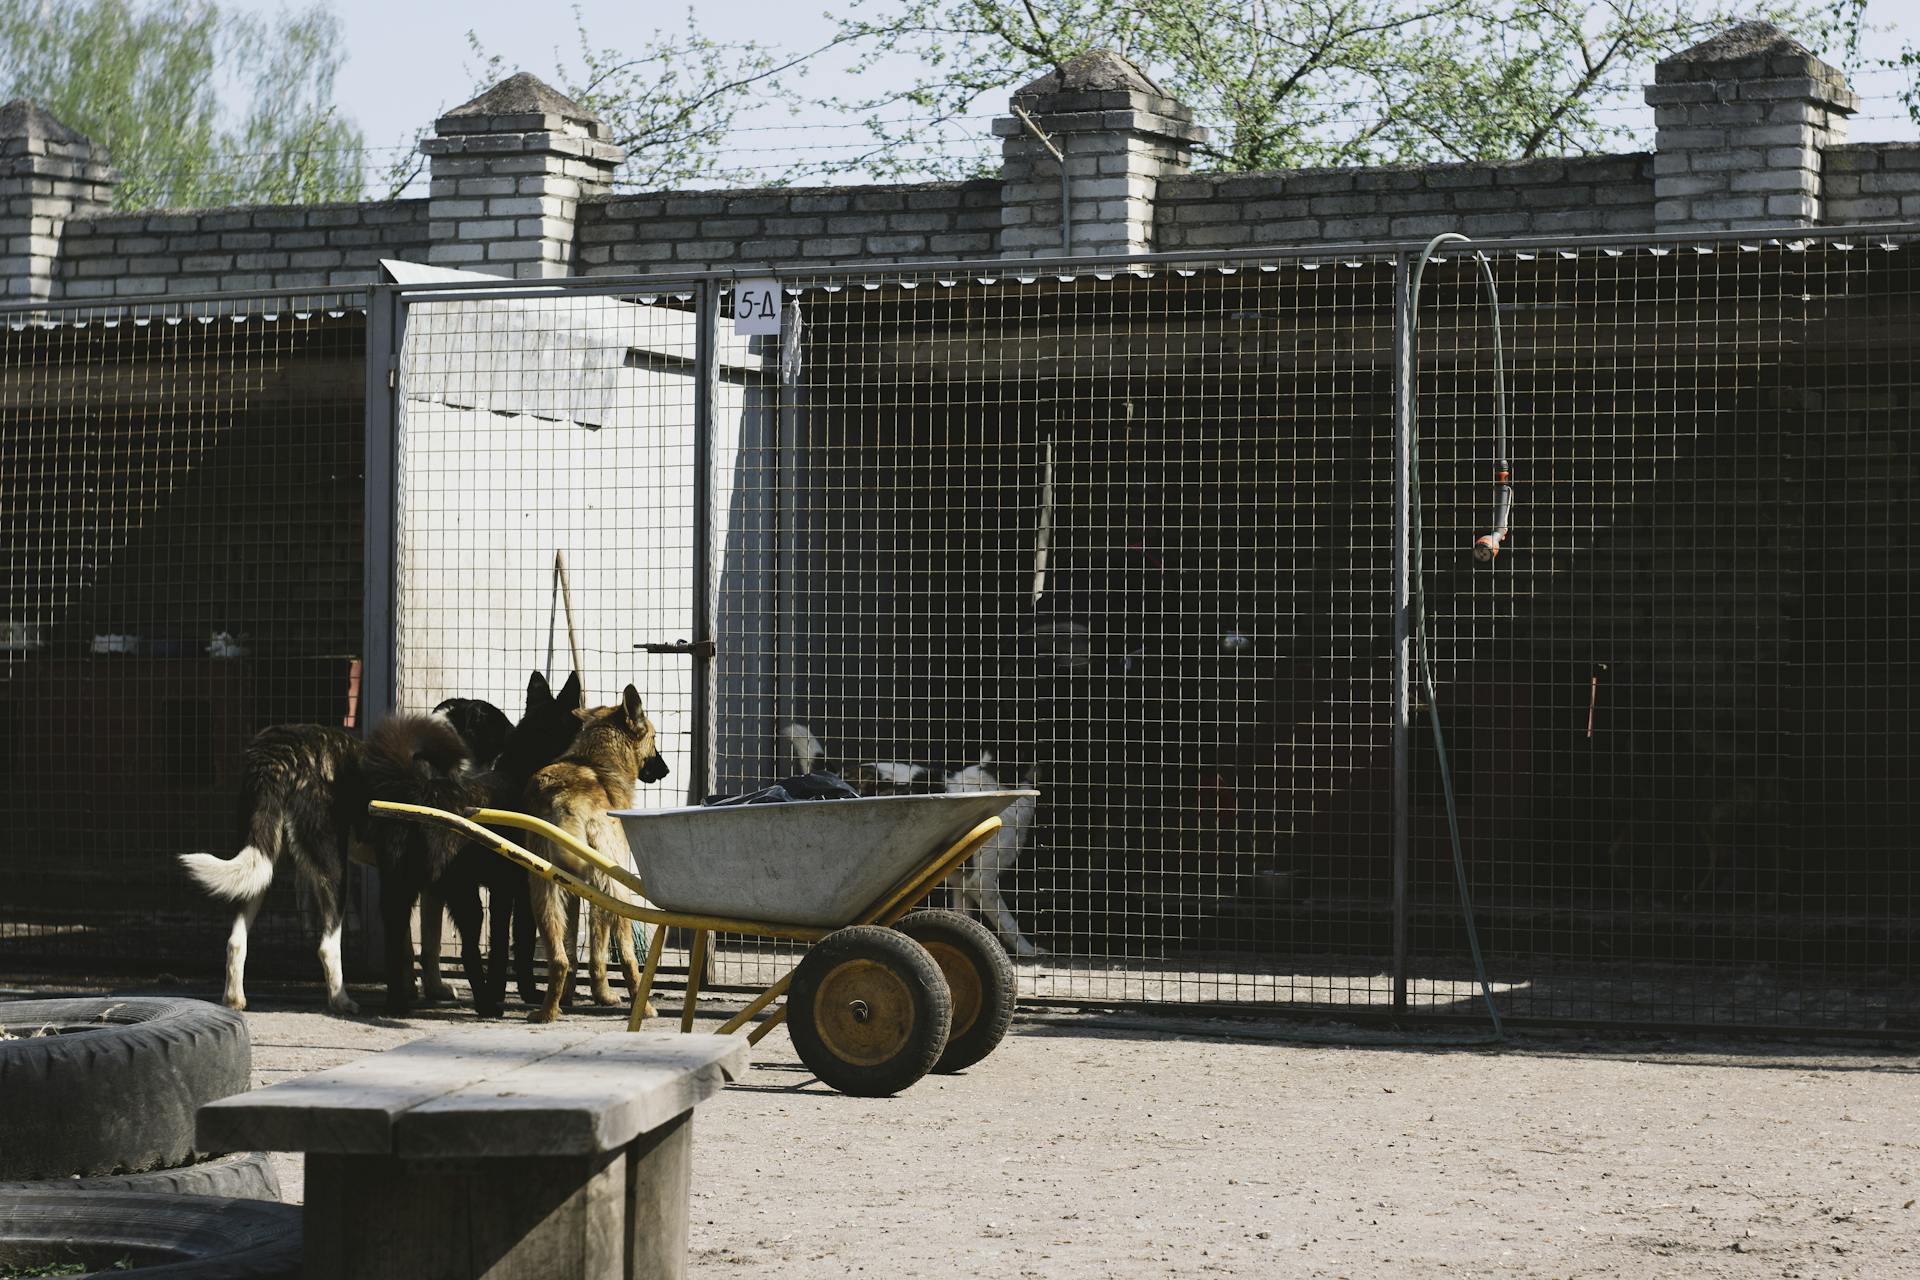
(181,506)
(1675,706)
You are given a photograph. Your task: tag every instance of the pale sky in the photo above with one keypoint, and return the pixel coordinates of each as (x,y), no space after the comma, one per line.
(407,61)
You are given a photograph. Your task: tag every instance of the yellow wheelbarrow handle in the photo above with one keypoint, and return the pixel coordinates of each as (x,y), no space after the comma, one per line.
(565,839)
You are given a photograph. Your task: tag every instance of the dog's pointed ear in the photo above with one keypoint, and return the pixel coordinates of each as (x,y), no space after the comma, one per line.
(537,692)
(572,696)
(630,703)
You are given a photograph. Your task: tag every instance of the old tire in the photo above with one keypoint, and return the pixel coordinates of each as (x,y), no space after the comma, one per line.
(113,1085)
(868,1011)
(165,1237)
(246,1175)
(979,977)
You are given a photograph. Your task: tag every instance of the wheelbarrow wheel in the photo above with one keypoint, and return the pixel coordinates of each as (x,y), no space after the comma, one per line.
(868,1011)
(979,976)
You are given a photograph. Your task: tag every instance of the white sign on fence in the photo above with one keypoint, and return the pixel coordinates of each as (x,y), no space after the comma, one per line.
(756,308)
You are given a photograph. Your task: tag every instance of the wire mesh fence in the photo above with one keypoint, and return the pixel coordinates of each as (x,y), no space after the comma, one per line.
(1126,531)
(1036,529)
(180,503)
(1678,708)
(1122,531)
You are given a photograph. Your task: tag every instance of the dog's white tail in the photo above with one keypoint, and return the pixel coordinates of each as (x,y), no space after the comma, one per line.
(241,878)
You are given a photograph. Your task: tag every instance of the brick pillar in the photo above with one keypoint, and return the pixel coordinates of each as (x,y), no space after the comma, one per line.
(509,170)
(1742,119)
(48,173)
(1119,134)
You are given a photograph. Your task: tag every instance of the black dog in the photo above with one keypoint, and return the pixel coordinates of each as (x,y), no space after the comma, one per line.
(517,753)
(420,760)
(481,725)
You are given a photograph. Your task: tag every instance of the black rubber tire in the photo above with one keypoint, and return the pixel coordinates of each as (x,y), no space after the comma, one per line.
(165,1237)
(245,1175)
(979,976)
(115,1090)
(878,1050)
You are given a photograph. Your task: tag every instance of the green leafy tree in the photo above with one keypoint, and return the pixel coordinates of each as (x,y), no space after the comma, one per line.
(145,80)
(1286,83)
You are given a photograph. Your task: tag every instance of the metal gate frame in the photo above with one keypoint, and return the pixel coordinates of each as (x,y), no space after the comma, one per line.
(387,311)
(387,327)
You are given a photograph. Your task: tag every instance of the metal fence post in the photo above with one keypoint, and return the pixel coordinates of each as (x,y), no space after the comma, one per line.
(786,557)
(1402,605)
(386,325)
(381,545)
(700,781)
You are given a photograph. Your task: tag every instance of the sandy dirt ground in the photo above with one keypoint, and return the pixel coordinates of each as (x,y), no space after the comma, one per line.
(1146,1147)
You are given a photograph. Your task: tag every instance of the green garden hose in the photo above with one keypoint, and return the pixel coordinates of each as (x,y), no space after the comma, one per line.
(1485,549)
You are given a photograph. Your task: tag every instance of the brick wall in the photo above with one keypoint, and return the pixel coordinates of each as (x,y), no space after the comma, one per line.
(124,255)
(1581,196)
(1751,133)
(106,255)
(1877,182)
(685,230)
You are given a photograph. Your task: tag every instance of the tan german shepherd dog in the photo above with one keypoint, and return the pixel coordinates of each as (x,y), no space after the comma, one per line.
(596,774)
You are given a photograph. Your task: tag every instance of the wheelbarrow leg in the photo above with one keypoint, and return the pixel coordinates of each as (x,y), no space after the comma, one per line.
(773,1020)
(643,991)
(760,1002)
(696,964)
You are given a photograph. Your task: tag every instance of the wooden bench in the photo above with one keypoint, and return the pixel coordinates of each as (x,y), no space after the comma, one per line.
(511,1152)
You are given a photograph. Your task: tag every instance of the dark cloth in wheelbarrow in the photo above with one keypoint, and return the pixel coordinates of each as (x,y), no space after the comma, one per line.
(805,786)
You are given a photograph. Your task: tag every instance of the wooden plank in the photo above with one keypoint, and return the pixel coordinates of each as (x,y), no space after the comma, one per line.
(384,1218)
(352,1109)
(592,1097)
(659,1189)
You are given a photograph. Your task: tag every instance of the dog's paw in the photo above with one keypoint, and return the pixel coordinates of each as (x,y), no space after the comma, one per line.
(342,1005)
(651,1012)
(605,997)
(438,991)
(544,1014)
(235,1002)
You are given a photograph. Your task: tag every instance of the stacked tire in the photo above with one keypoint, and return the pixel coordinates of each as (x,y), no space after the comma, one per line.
(98,1162)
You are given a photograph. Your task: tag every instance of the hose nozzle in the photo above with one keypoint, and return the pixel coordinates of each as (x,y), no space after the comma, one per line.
(1487,546)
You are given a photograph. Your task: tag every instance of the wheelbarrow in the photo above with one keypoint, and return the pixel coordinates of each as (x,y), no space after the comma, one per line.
(883,994)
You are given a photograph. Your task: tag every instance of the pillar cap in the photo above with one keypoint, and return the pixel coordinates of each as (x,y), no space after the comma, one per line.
(1097,71)
(1757,51)
(522,103)
(1102,81)
(22,118)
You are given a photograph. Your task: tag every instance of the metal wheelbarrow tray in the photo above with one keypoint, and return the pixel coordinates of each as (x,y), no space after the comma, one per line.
(883,996)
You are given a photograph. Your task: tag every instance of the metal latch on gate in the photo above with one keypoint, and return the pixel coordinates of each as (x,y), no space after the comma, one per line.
(702,649)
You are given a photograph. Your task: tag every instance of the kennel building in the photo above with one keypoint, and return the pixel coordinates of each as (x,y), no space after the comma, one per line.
(1133,528)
